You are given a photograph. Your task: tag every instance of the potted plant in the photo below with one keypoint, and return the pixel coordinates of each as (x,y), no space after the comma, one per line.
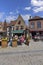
(4,42)
(14,42)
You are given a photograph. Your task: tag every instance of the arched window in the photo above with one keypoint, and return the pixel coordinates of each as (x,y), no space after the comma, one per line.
(38,24)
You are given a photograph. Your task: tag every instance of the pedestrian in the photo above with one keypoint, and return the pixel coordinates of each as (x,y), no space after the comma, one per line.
(22,39)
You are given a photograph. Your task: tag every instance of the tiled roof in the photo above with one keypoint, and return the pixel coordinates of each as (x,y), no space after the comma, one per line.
(8,24)
(36,17)
(13,22)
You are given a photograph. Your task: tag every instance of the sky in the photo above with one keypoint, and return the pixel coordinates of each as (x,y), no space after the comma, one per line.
(10,9)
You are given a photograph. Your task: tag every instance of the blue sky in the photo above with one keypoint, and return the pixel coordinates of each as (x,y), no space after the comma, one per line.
(10,9)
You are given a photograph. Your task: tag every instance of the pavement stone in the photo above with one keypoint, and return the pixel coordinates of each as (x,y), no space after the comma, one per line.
(8,56)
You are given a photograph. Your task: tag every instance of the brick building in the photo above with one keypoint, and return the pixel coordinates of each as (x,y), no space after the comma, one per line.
(36,25)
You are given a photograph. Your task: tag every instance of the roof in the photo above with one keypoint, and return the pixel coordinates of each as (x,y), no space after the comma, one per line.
(13,22)
(1,23)
(36,18)
(21,18)
(8,24)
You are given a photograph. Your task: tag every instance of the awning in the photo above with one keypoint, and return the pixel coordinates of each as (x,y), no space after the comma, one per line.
(17,31)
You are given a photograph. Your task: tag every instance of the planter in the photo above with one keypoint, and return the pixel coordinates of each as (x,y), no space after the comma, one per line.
(4,43)
(14,43)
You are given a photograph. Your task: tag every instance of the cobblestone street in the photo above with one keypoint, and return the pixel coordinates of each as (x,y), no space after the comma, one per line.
(22,55)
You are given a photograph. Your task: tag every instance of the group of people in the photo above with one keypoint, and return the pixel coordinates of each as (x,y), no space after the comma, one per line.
(20,40)
(23,39)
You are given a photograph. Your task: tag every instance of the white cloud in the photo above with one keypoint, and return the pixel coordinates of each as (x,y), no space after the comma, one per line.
(14,13)
(37,2)
(17,11)
(27,8)
(11,13)
(9,18)
(1,15)
(37,5)
(25,17)
(38,9)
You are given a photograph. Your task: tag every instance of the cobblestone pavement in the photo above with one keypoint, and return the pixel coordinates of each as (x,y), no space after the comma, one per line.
(22,55)
(22,59)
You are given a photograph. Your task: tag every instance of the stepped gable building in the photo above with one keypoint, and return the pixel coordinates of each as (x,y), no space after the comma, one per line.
(16,27)
(36,25)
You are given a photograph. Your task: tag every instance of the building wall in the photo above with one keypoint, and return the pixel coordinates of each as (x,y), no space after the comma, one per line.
(22,23)
(35,26)
(14,25)
(1,27)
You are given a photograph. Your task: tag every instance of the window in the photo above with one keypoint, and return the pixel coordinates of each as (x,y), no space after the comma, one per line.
(19,22)
(22,27)
(38,24)
(7,29)
(17,27)
(7,33)
(12,28)
(32,25)
(0,26)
